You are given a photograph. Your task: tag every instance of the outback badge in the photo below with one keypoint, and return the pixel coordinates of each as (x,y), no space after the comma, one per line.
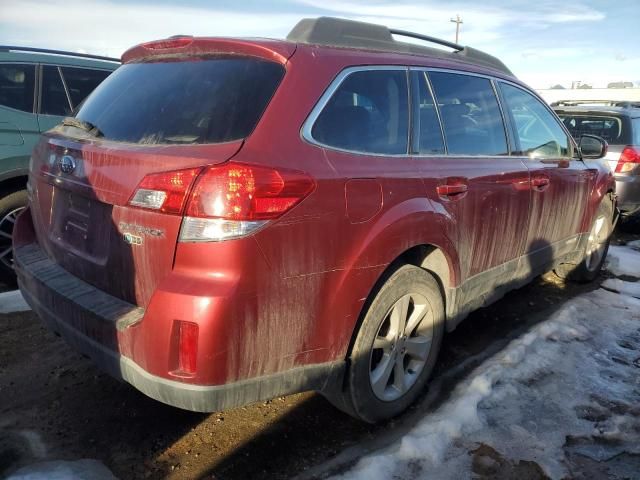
(132,239)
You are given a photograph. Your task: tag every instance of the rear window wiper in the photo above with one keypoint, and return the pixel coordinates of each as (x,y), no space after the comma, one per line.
(82,125)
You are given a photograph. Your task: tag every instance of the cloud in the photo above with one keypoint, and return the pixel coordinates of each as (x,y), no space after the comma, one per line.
(105,27)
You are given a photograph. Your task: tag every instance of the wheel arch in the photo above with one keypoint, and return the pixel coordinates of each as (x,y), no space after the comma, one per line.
(13,181)
(427,256)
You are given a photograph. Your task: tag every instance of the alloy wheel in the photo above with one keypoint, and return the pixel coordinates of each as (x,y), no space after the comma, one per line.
(597,243)
(401,347)
(6,234)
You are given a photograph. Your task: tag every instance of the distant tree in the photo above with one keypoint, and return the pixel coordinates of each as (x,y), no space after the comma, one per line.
(558,87)
(585,86)
(620,85)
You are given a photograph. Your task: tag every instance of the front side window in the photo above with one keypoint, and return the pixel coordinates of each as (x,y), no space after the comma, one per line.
(538,132)
(54,99)
(368,113)
(470,114)
(82,81)
(16,86)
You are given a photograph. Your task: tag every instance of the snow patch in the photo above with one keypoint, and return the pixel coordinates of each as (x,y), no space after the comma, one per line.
(623,261)
(566,386)
(627,288)
(13,301)
(85,469)
(634,244)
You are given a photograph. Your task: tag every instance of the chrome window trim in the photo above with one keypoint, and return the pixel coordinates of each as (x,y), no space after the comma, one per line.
(307,126)
(337,81)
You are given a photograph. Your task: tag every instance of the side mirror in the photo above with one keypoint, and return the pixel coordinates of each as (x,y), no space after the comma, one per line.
(592,147)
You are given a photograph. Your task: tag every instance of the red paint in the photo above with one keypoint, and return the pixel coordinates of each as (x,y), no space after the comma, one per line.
(292,293)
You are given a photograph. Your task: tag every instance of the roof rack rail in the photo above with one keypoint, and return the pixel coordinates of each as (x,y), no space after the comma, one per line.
(426,38)
(12,48)
(605,103)
(338,32)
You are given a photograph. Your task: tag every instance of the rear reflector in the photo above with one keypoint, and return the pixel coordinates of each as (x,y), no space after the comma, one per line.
(187,347)
(165,192)
(629,159)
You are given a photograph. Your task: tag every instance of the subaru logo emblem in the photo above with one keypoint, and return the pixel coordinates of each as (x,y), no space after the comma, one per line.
(67,164)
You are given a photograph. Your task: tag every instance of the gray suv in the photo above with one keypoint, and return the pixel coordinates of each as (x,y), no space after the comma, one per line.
(38,88)
(619,124)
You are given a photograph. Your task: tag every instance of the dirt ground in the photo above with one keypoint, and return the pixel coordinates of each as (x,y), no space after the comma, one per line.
(55,404)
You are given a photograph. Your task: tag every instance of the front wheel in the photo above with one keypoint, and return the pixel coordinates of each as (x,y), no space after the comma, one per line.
(397,345)
(596,249)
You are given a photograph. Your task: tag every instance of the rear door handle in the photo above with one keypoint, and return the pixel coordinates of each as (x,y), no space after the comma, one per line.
(452,189)
(540,182)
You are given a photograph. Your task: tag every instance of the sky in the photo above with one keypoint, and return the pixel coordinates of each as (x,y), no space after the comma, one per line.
(544,42)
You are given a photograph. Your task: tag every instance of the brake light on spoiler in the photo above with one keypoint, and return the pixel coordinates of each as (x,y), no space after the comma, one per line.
(222,202)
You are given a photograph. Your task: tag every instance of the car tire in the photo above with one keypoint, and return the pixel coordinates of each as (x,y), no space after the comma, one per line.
(10,207)
(397,345)
(595,251)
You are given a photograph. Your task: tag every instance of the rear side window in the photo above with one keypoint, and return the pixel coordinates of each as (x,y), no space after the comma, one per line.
(609,128)
(209,100)
(17,86)
(470,114)
(82,81)
(368,113)
(54,99)
(635,127)
(538,132)
(425,120)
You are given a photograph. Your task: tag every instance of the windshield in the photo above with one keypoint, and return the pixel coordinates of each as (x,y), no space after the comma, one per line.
(609,128)
(198,101)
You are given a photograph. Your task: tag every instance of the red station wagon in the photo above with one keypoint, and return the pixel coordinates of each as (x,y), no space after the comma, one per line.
(228,220)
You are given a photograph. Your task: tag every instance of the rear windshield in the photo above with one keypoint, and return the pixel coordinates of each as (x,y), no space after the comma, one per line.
(635,126)
(198,101)
(609,128)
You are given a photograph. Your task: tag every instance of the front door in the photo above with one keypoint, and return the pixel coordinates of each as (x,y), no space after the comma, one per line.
(471,175)
(560,183)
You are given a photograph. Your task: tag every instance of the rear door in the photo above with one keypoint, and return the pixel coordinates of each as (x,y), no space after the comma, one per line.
(560,182)
(471,175)
(54,102)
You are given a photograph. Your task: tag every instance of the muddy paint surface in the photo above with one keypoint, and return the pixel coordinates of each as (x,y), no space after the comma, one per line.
(55,404)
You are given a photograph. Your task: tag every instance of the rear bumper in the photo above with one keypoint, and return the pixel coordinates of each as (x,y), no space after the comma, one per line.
(628,192)
(103,327)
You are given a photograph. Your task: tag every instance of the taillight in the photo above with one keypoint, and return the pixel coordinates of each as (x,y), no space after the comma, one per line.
(233,200)
(222,202)
(629,159)
(165,192)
